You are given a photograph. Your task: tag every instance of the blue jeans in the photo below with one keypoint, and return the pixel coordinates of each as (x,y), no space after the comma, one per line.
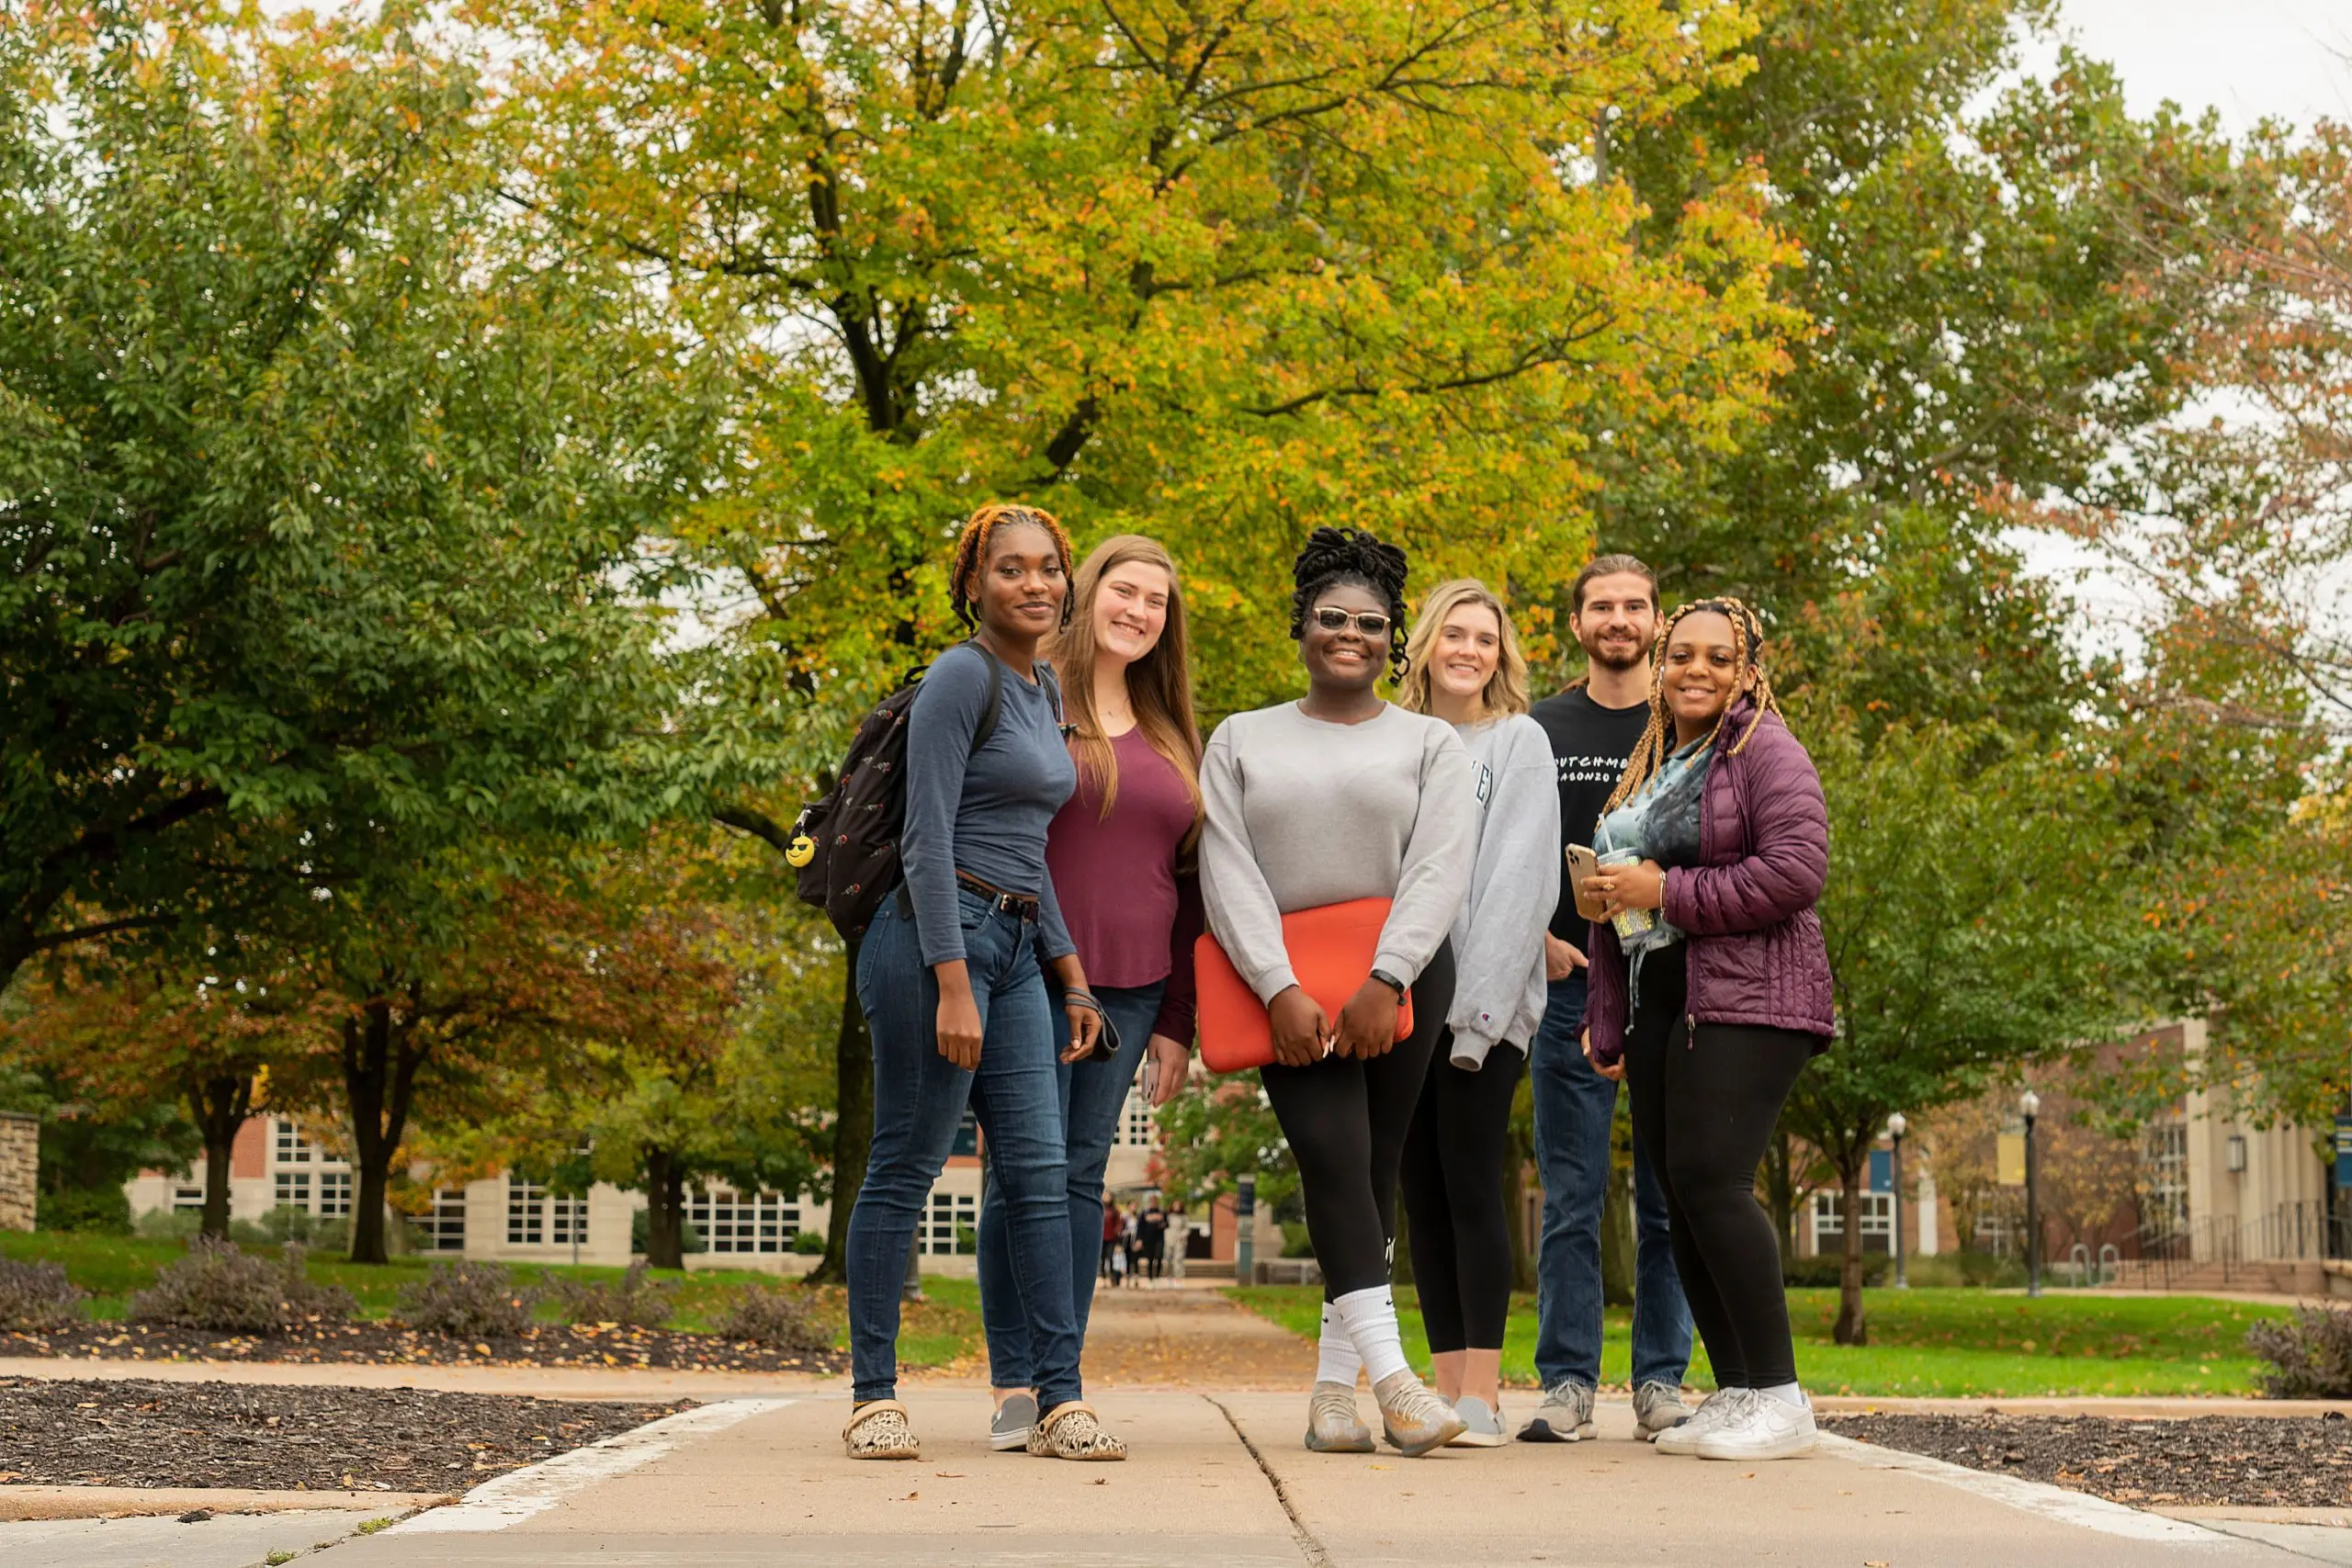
(919,1099)
(1574,1108)
(1093,1094)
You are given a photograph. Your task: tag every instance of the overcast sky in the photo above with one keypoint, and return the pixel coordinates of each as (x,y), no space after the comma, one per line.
(2248,59)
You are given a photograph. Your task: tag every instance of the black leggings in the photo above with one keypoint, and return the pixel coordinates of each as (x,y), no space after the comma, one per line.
(1453,1195)
(1704,1102)
(1346,1119)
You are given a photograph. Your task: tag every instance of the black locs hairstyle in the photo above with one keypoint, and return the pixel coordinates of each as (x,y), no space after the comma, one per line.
(1350,555)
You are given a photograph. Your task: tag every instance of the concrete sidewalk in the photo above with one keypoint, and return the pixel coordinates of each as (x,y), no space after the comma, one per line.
(1221,1480)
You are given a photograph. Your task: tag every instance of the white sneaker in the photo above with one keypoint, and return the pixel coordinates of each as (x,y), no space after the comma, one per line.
(1721,1406)
(1767,1428)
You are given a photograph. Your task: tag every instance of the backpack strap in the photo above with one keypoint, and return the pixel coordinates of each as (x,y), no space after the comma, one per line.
(987,726)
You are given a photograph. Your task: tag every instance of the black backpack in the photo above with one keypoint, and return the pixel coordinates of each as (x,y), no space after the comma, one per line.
(845,844)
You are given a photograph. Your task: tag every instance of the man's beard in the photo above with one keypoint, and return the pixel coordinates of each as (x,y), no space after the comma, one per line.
(1633,659)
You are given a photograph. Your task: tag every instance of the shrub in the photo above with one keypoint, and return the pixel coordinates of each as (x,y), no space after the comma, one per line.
(1825,1273)
(780,1317)
(809,1244)
(286,1223)
(38,1297)
(218,1286)
(469,1301)
(102,1211)
(640,1234)
(631,1299)
(2313,1353)
(169,1225)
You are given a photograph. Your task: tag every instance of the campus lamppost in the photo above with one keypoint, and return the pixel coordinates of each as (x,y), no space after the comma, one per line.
(1896,1127)
(2031,1103)
(1245,1222)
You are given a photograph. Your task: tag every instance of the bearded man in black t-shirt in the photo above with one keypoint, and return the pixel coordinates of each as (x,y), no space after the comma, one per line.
(1594,725)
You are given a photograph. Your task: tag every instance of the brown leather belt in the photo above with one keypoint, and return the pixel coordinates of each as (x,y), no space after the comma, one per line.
(1020,905)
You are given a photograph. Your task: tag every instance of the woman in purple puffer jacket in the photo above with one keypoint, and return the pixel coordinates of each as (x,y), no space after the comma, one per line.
(1710,991)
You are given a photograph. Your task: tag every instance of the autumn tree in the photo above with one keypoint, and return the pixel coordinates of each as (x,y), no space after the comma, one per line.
(321,487)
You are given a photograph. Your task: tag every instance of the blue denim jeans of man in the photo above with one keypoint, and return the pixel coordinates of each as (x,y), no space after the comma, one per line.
(1574,1109)
(1093,1096)
(919,1100)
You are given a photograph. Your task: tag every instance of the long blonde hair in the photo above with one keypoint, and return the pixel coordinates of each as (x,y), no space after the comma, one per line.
(1159,684)
(1506,692)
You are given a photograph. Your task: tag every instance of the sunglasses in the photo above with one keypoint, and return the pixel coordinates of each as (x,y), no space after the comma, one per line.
(1331,618)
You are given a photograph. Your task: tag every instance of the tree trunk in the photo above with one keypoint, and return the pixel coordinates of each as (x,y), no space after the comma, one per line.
(1617,1258)
(665,1209)
(219,1105)
(1852,1330)
(1780,1195)
(853,1122)
(381,1054)
(1522,1254)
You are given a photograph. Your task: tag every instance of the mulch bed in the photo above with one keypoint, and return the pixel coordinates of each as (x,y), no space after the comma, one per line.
(135,1432)
(2208,1461)
(388,1343)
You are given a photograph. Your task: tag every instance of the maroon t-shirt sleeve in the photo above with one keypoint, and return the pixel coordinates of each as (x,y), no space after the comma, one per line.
(1175,1019)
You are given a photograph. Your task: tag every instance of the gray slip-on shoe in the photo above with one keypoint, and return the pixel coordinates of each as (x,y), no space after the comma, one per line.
(1482,1425)
(1015,1418)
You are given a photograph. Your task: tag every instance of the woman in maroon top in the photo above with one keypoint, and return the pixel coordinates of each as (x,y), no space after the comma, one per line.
(1120,855)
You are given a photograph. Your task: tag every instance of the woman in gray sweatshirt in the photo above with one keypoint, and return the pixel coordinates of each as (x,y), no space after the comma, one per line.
(1334,799)
(1462,665)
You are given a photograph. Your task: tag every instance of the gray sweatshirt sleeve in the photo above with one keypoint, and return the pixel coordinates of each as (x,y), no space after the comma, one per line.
(1242,913)
(940,727)
(1514,887)
(1435,877)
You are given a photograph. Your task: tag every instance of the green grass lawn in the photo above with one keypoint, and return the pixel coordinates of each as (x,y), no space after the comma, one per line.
(943,1329)
(1928,1342)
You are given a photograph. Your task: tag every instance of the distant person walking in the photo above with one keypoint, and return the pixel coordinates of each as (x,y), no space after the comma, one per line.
(1121,852)
(1593,728)
(1710,991)
(948,975)
(1110,1227)
(1152,1228)
(1462,665)
(1337,797)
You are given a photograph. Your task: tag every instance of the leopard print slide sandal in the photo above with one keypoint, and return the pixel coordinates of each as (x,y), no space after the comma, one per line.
(880,1430)
(1074,1431)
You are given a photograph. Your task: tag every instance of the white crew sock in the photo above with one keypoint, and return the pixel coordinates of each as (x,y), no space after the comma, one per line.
(1335,1354)
(1787,1394)
(1371,1319)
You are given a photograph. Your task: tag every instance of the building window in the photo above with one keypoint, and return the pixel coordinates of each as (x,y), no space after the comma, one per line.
(728,1221)
(2163,1158)
(568,1222)
(526,1213)
(1878,1221)
(186,1199)
(442,1228)
(951,1225)
(335,1192)
(1137,1129)
(293,1189)
(289,1145)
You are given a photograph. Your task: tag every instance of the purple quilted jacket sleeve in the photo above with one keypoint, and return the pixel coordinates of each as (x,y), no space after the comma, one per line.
(1788,843)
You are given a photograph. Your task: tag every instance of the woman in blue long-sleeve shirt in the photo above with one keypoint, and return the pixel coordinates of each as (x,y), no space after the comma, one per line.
(949,975)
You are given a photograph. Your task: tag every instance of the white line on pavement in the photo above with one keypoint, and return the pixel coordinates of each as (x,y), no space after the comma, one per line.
(533,1490)
(2032,1497)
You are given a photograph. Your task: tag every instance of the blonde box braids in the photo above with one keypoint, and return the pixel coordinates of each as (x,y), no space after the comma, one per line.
(1657,737)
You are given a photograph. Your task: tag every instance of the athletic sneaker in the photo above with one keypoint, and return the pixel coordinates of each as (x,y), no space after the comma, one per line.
(1482,1427)
(1718,1407)
(1333,1426)
(1014,1418)
(1767,1426)
(1417,1420)
(1658,1407)
(1565,1417)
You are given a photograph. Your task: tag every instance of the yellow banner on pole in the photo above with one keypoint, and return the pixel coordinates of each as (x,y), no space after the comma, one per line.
(2008,1159)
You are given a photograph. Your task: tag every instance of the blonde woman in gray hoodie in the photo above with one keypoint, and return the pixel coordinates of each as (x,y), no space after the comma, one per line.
(1462,664)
